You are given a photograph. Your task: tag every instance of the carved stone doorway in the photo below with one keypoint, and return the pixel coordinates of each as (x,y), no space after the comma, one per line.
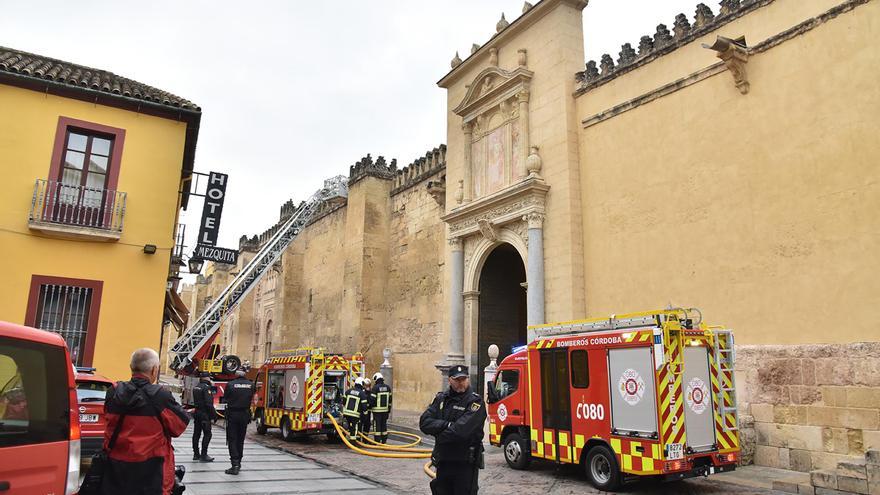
(502,305)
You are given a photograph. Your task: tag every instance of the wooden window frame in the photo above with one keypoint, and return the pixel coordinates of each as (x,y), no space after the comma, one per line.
(97,287)
(66,124)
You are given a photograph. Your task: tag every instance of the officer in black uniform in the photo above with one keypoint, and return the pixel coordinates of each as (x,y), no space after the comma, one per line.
(354,408)
(239,393)
(203,399)
(456,419)
(381,407)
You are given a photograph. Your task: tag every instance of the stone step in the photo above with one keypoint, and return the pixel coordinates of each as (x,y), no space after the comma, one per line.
(873,457)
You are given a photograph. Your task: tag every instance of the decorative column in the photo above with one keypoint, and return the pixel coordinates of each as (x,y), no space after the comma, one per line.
(535,270)
(456,310)
(468,129)
(522,99)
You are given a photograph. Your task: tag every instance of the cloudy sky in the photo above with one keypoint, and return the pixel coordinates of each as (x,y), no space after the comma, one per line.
(292,91)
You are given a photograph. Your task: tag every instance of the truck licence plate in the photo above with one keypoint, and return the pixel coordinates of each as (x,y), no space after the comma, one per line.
(674,451)
(88,418)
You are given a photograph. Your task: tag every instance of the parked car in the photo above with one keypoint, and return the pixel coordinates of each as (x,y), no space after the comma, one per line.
(39,423)
(91,390)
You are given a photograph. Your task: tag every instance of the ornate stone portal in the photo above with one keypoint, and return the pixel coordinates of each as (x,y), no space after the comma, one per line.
(501,198)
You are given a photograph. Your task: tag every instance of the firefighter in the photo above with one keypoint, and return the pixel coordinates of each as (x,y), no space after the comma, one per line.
(367,416)
(381,407)
(354,407)
(455,418)
(203,398)
(239,394)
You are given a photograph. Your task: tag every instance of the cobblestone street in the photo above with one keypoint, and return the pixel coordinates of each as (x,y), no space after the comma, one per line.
(406,475)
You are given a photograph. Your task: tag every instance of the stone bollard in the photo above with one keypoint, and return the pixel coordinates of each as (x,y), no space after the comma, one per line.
(388,373)
(489,371)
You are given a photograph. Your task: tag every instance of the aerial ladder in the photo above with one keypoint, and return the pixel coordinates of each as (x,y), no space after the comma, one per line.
(195,343)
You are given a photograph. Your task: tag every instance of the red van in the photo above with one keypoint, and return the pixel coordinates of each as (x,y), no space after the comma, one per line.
(39,422)
(91,389)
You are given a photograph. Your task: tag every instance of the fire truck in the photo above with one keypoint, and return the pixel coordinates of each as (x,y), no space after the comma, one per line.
(644,394)
(221,369)
(296,388)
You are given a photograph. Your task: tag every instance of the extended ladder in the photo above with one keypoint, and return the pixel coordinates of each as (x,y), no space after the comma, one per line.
(200,332)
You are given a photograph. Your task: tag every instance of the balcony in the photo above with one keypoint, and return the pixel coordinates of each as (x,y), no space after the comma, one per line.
(76,211)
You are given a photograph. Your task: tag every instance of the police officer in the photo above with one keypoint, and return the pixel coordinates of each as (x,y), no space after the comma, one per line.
(456,419)
(239,393)
(354,408)
(203,399)
(381,407)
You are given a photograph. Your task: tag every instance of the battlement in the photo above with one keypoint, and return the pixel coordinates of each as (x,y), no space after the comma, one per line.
(366,167)
(420,169)
(662,42)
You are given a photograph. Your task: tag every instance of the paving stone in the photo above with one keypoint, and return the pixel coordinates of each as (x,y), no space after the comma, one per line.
(785,486)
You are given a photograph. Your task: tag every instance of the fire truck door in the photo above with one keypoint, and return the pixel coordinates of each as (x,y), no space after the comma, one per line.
(633,399)
(555,402)
(294,386)
(698,411)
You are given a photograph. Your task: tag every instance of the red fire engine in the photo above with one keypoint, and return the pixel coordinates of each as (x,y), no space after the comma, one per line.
(296,388)
(646,394)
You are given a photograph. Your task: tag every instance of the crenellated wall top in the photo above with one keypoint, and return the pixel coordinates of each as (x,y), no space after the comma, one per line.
(662,42)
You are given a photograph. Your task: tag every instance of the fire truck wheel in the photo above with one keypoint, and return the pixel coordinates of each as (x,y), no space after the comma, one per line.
(286,431)
(261,423)
(602,470)
(231,364)
(516,451)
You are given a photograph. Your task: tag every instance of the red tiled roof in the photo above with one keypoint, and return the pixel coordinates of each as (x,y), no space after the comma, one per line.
(77,76)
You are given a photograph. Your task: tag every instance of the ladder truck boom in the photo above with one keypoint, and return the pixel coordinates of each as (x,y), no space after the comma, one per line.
(195,339)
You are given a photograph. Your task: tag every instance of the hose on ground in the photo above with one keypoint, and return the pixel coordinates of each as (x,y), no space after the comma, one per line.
(372,444)
(343,434)
(427,468)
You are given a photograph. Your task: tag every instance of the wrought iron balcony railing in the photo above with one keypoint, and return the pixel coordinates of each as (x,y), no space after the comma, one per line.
(63,208)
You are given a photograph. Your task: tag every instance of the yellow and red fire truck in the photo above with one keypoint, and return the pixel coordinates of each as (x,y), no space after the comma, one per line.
(644,394)
(297,387)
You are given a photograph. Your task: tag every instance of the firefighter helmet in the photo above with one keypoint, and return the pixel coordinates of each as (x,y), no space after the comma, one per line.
(378,376)
(359,381)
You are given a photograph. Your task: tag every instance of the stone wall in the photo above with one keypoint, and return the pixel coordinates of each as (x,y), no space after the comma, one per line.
(415,303)
(812,405)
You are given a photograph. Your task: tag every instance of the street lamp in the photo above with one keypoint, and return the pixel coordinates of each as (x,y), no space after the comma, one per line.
(195,265)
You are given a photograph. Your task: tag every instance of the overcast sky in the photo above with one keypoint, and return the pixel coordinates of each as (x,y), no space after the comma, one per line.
(291,91)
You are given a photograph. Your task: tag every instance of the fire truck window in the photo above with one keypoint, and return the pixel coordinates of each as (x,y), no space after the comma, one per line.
(580,370)
(276,389)
(507,383)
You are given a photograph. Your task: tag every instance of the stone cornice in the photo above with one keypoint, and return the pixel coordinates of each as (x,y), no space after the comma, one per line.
(517,26)
(480,97)
(508,205)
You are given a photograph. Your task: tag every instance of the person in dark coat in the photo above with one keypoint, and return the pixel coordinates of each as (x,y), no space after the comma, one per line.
(203,398)
(455,418)
(142,459)
(381,407)
(239,394)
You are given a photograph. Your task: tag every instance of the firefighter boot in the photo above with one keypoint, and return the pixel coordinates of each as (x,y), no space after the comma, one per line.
(236,467)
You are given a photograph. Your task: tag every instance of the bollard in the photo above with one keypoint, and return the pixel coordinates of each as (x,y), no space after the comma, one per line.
(489,371)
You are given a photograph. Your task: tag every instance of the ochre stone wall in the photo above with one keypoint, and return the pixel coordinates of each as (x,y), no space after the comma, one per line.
(812,405)
(414,296)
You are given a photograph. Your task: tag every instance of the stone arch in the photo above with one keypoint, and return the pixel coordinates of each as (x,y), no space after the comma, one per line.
(482,251)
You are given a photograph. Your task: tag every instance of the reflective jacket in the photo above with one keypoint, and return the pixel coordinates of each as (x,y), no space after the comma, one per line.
(456,422)
(356,402)
(142,460)
(381,397)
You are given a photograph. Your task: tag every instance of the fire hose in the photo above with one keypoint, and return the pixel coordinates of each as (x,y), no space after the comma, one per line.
(403,452)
